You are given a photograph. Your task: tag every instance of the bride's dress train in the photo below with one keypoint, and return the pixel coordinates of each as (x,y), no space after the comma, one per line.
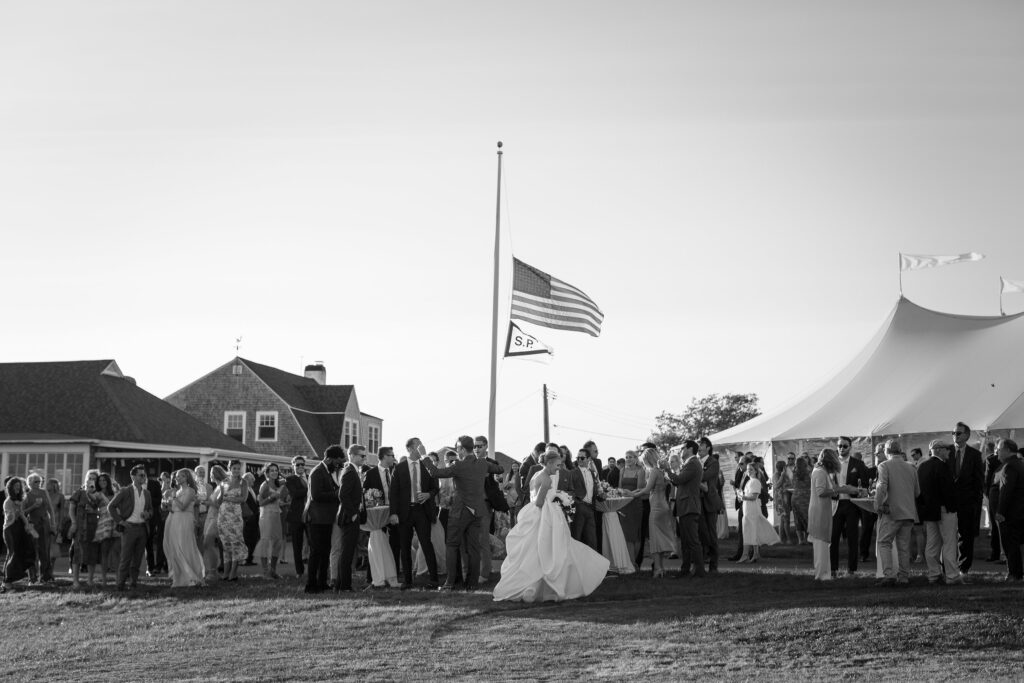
(543,560)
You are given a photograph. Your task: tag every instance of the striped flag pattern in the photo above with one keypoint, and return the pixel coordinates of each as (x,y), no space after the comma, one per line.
(543,300)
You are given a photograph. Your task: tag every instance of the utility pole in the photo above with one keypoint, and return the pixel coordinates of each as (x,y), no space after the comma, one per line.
(547,429)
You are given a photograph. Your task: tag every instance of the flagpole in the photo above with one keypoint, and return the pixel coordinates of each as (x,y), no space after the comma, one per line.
(899,257)
(492,407)
(1001,312)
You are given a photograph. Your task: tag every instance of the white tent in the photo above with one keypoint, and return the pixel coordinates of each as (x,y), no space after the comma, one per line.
(919,375)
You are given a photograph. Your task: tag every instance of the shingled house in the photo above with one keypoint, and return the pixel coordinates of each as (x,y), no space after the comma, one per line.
(276,412)
(63,418)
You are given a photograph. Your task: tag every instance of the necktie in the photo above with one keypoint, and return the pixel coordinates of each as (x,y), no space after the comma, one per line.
(387,477)
(414,471)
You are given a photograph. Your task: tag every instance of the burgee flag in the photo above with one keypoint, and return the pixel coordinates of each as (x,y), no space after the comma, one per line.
(1012,286)
(921,261)
(544,300)
(521,344)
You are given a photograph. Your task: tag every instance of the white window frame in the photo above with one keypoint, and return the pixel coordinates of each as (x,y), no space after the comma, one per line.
(233,413)
(277,424)
(351,433)
(372,438)
(56,458)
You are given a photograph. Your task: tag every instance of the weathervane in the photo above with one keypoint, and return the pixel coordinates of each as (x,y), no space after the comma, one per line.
(238,344)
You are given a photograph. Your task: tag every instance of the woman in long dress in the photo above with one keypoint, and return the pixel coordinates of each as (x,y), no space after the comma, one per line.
(632,478)
(185,564)
(212,558)
(544,562)
(271,543)
(757,530)
(232,494)
(662,523)
(825,490)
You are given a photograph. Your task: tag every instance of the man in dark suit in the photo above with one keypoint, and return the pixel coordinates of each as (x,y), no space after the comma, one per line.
(156,562)
(846,519)
(320,516)
(413,509)
(584,486)
(380,477)
(467,508)
(688,509)
(936,508)
(527,469)
(968,472)
(992,466)
(739,478)
(351,513)
(1010,507)
(710,502)
(298,489)
(131,509)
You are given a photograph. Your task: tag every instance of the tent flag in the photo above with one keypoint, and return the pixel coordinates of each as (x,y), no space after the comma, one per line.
(521,344)
(921,261)
(1012,286)
(544,300)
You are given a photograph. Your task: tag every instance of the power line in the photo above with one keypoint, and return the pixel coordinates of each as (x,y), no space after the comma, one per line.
(608,415)
(462,429)
(593,433)
(641,418)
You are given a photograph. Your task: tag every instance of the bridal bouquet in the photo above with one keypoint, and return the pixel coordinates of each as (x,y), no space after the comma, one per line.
(567,504)
(374,497)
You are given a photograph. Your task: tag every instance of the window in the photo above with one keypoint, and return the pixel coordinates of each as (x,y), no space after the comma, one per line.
(64,467)
(234,424)
(373,438)
(266,425)
(351,432)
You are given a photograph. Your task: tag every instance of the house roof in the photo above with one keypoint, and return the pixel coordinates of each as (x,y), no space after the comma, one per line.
(923,371)
(93,400)
(319,409)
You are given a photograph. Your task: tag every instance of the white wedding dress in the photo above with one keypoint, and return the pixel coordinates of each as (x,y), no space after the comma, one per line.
(543,560)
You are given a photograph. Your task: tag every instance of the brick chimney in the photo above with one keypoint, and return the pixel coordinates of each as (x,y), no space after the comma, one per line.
(317,372)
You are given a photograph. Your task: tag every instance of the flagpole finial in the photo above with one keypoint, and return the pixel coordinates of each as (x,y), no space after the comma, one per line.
(499,144)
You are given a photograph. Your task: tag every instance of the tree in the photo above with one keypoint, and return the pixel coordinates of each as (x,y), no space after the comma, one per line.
(703,417)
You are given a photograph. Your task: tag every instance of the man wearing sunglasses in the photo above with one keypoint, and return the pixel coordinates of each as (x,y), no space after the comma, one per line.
(968,470)
(852,472)
(298,488)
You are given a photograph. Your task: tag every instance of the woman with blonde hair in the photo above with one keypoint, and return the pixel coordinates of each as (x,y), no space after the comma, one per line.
(662,524)
(232,494)
(825,490)
(184,563)
(631,478)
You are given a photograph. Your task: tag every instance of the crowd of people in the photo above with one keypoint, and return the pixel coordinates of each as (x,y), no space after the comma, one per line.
(448,513)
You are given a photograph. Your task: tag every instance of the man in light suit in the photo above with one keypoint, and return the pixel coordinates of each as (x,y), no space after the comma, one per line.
(413,509)
(896,505)
(467,509)
(688,509)
(132,509)
(968,470)
(320,515)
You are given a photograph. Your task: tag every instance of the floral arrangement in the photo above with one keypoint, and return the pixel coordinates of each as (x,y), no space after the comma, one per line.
(374,497)
(567,504)
(609,491)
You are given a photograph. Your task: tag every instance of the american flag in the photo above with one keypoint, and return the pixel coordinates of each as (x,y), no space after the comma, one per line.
(543,300)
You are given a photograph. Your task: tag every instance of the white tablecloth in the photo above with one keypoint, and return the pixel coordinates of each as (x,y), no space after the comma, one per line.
(614,542)
(437,539)
(382,562)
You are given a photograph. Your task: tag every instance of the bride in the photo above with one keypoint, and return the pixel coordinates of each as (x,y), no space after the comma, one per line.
(543,561)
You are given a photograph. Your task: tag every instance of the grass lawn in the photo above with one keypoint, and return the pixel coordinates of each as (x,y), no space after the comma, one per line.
(766,621)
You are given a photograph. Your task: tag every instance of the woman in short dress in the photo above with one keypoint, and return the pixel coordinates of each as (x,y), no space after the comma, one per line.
(662,524)
(84,511)
(107,537)
(232,493)
(271,544)
(17,538)
(632,478)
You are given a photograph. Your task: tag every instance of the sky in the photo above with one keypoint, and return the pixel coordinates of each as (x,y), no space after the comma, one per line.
(731,182)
